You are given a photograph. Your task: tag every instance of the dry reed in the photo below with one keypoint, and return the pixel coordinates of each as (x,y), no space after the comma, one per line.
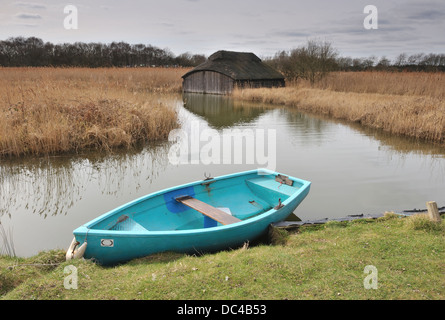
(411,106)
(399,83)
(48,110)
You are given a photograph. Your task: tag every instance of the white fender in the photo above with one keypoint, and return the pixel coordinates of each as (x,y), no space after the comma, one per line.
(69,252)
(78,254)
(73,253)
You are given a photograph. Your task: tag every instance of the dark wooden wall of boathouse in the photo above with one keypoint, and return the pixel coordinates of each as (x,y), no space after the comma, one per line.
(208,82)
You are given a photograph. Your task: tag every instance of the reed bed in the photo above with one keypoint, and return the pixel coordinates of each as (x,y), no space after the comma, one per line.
(55,110)
(399,107)
(399,83)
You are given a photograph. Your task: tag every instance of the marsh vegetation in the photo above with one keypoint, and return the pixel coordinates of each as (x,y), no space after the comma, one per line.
(407,104)
(55,110)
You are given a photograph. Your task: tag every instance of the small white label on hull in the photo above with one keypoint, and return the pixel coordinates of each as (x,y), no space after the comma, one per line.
(107,243)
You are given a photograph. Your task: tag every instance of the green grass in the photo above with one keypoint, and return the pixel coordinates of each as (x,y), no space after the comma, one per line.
(317,262)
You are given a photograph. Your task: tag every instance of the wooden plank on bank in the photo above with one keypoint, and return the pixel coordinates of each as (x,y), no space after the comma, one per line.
(433,211)
(208,210)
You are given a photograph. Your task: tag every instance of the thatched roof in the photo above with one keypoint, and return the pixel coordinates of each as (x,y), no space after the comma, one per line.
(238,66)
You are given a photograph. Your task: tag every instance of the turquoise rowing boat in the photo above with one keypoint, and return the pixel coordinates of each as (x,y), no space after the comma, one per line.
(203,216)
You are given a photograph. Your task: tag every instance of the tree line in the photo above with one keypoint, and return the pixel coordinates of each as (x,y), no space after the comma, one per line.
(315,59)
(34,52)
(431,62)
(311,61)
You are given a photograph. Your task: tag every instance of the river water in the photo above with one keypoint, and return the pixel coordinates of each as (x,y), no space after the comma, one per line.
(352,170)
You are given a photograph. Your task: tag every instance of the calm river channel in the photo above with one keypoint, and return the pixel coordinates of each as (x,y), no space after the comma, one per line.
(352,170)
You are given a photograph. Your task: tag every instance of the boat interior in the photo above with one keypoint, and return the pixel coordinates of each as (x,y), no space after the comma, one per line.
(206,204)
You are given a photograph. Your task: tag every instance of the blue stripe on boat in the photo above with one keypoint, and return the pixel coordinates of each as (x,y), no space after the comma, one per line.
(170,199)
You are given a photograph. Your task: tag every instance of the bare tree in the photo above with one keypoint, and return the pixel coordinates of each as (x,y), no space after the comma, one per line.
(401,60)
(311,62)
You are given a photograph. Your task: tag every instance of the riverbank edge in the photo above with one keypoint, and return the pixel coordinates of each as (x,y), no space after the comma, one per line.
(419,117)
(317,262)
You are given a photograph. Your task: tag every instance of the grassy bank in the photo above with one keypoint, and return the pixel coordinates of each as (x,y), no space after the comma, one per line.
(55,110)
(318,262)
(404,104)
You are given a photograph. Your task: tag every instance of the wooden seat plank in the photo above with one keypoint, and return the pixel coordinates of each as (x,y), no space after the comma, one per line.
(207,210)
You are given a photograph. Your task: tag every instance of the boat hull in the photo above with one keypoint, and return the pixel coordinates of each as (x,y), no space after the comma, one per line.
(111,246)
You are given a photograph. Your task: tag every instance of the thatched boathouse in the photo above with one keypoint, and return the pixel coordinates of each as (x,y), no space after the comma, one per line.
(225,70)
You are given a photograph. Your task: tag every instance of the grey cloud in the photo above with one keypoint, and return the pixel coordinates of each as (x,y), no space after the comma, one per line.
(166,24)
(290,34)
(28,25)
(249,42)
(424,11)
(28,16)
(30,5)
(428,15)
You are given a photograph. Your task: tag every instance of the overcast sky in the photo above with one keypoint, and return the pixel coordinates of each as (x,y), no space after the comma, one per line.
(260,26)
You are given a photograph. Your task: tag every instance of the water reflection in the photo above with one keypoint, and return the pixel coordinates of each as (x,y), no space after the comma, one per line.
(222,111)
(353,170)
(51,186)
